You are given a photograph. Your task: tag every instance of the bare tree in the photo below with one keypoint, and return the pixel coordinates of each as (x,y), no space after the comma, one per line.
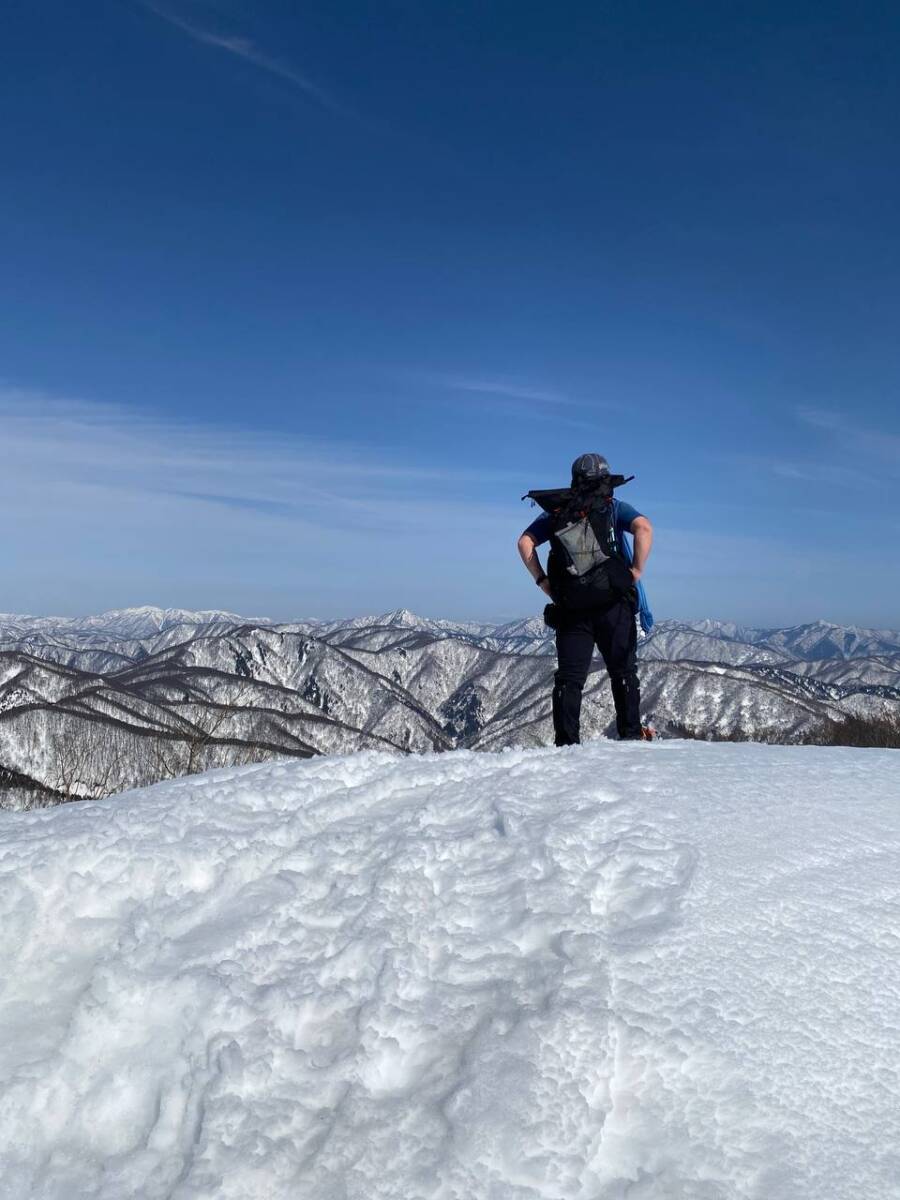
(88,760)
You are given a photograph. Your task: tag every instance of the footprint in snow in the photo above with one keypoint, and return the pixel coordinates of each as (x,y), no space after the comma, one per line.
(639,889)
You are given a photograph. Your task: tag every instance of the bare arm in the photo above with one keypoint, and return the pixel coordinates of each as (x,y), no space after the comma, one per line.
(528,553)
(642,531)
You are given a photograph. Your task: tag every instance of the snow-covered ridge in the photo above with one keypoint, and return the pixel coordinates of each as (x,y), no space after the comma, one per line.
(616,972)
(116,625)
(816,640)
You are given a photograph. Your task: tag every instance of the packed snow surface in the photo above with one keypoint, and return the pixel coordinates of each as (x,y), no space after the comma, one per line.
(616,971)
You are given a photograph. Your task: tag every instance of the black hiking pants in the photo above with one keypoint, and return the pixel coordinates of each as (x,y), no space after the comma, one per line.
(612,630)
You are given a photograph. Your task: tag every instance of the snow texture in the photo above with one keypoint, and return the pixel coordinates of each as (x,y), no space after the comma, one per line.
(615,972)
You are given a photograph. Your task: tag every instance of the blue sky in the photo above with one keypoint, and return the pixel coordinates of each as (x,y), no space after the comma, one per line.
(298,300)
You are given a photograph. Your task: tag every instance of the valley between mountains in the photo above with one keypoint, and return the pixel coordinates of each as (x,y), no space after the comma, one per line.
(97,705)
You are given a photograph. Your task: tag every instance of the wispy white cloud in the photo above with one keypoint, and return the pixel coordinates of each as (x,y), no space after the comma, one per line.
(103,445)
(805,472)
(515,398)
(510,395)
(853,442)
(504,389)
(819,418)
(105,506)
(243,48)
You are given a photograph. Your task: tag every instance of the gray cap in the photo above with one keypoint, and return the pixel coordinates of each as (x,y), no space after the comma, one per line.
(588,467)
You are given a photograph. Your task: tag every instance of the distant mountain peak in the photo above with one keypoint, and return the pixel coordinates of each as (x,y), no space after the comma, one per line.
(402,616)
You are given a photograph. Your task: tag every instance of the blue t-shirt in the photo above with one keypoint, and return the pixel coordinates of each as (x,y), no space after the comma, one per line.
(625,513)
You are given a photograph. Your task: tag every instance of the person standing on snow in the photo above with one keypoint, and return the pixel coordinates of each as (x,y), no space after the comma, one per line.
(592,578)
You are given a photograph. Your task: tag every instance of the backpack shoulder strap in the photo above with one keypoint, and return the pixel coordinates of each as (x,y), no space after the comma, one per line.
(602,518)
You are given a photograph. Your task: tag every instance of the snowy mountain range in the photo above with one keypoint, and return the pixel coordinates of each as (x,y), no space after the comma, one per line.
(90,706)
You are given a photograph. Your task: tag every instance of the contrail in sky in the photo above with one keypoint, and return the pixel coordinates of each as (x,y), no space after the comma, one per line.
(244,48)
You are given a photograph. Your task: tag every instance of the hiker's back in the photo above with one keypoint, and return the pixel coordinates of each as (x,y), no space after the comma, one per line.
(586,566)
